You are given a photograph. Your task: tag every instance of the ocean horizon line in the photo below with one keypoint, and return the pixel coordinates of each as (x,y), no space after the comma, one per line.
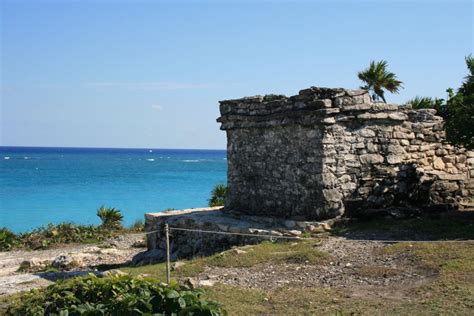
(119,148)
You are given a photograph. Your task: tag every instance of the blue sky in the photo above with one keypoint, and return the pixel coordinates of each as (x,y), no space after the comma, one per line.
(150,73)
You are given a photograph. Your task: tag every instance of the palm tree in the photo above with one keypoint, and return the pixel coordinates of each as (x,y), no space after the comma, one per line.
(111,217)
(218,195)
(377,78)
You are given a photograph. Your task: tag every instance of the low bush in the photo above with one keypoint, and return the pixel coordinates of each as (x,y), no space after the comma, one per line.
(137,226)
(65,233)
(113,295)
(8,239)
(44,237)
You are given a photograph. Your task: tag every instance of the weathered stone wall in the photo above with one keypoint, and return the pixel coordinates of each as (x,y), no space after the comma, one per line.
(227,230)
(326,151)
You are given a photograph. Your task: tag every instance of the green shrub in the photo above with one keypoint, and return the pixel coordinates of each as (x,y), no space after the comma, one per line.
(457,110)
(64,233)
(111,217)
(138,226)
(218,195)
(8,239)
(43,237)
(113,295)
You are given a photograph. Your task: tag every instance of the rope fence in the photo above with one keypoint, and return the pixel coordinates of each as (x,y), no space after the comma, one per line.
(389,241)
(168,229)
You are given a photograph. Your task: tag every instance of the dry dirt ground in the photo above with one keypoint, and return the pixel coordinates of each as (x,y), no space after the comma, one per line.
(349,265)
(86,259)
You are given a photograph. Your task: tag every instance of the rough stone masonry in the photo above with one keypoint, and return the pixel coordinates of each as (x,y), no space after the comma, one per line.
(324,152)
(293,161)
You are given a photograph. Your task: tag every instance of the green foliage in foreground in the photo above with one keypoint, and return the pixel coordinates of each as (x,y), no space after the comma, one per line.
(44,237)
(218,195)
(114,295)
(457,111)
(8,239)
(65,233)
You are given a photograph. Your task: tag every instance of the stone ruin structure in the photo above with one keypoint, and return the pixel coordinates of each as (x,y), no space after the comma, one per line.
(324,152)
(294,161)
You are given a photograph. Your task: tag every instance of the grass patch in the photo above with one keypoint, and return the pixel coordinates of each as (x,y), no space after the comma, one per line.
(447,258)
(328,301)
(279,252)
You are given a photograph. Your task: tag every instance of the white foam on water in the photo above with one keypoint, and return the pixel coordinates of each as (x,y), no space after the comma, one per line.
(190,160)
(6,158)
(26,158)
(151,159)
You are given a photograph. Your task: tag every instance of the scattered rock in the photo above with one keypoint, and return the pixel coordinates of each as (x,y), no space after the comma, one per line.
(191,282)
(109,251)
(114,272)
(238,251)
(326,226)
(342,273)
(316,229)
(92,249)
(176,265)
(33,265)
(66,262)
(206,283)
(195,283)
(139,244)
(295,232)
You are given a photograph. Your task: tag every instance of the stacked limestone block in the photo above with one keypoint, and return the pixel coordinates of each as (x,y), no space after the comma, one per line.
(227,230)
(326,151)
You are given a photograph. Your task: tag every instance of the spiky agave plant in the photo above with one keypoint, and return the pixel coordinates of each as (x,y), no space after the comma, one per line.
(377,79)
(218,195)
(111,217)
(426,103)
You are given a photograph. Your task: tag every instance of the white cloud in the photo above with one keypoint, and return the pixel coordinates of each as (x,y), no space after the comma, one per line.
(149,85)
(157,107)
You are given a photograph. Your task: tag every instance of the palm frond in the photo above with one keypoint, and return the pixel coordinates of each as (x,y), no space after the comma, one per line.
(218,195)
(377,78)
(111,217)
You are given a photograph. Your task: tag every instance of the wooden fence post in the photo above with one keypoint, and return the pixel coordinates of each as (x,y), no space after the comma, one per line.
(167,236)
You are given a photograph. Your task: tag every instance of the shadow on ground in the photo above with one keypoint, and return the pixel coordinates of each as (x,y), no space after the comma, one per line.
(452,225)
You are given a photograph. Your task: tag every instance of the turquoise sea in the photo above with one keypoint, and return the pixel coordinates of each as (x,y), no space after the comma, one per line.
(51,185)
